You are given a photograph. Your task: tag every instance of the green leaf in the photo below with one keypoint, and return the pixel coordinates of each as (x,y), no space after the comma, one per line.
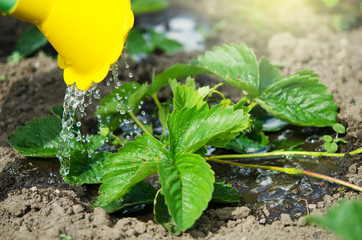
(224,193)
(286,145)
(187,185)
(58,111)
(186,97)
(163,113)
(176,71)
(252,142)
(339,128)
(136,43)
(331,147)
(167,45)
(142,193)
(29,42)
(336,140)
(235,64)
(147,6)
(95,141)
(130,165)
(115,106)
(89,172)
(162,216)
(39,138)
(269,74)
(345,219)
(192,128)
(327,138)
(300,100)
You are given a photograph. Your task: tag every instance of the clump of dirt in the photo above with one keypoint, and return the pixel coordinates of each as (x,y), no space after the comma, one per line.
(35,202)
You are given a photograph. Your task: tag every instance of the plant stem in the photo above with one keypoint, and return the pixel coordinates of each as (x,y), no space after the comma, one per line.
(220,94)
(357,151)
(139,123)
(252,105)
(291,171)
(154,96)
(280,153)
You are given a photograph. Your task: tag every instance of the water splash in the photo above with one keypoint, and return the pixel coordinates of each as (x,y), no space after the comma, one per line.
(74,98)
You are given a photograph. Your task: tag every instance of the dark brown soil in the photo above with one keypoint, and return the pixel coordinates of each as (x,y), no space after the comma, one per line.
(35,203)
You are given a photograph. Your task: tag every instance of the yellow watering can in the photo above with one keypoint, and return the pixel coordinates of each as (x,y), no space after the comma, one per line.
(88,34)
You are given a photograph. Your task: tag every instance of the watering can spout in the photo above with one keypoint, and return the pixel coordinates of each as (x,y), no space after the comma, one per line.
(88,34)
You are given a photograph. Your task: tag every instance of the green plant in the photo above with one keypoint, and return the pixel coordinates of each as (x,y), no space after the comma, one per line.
(345,219)
(146,41)
(331,145)
(196,118)
(65,236)
(29,42)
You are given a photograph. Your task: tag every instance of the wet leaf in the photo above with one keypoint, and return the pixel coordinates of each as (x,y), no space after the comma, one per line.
(187,185)
(130,165)
(86,169)
(224,193)
(300,100)
(345,219)
(192,128)
(185,97)
(39,138)
(235,64)
(115,106)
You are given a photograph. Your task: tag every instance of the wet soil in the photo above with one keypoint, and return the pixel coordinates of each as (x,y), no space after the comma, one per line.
(35,203)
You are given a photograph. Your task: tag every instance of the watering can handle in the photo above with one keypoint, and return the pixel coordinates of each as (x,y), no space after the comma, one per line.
(88,36)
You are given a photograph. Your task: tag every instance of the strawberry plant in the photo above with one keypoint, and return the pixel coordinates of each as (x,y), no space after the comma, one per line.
(194,120)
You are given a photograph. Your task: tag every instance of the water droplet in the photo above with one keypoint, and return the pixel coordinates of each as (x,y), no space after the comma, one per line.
(79,124)
(130,75)
(122,112)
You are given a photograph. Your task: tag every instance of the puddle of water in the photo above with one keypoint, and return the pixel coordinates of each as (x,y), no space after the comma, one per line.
(280,192)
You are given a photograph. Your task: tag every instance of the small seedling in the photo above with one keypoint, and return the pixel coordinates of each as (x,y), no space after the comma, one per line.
(331,145)
(65,236)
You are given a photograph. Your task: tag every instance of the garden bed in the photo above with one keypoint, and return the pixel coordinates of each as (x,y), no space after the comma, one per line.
(36,203)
